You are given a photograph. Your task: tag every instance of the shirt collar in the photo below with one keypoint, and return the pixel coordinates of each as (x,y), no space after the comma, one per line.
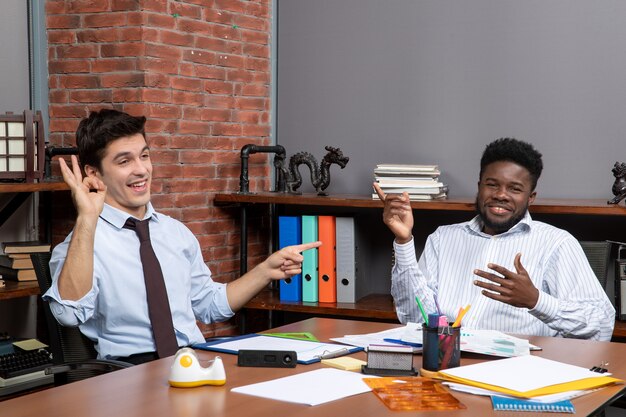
(117,217)
(476,226)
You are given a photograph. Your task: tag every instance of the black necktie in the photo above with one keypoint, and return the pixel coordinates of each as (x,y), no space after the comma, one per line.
(158,304)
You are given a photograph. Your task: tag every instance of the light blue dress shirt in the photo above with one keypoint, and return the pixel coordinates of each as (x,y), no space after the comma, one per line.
(114,313)
(572,303)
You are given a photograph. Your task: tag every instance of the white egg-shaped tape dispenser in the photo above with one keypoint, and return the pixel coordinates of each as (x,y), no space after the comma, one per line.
(187,372)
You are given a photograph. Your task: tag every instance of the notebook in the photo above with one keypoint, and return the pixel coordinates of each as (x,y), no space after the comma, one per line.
(515,404)
(307,351)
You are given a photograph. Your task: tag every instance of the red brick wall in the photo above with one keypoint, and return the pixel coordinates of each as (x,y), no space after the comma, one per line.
(199,70)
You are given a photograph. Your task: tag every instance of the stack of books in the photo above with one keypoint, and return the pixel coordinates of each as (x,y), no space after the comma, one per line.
(15,264)
(421,182)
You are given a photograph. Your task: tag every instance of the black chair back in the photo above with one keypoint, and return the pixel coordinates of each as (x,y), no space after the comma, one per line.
(598,254)
(67,344)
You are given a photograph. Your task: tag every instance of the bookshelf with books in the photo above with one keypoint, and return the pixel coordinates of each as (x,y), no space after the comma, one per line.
(18,193)
(378,305)
(15,264)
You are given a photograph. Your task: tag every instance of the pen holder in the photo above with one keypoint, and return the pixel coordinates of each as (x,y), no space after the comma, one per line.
(441,347)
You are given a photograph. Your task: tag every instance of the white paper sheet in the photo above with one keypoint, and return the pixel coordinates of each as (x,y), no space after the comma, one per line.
(364,340)
(487,342)
(522,373)
(310,388)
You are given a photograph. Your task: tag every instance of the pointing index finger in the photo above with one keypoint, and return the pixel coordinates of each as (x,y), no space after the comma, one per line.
(379,191)
(306,246)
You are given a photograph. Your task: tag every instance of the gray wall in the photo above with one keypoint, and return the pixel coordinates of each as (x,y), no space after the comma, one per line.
(14,71)
(17,316)
(433,81)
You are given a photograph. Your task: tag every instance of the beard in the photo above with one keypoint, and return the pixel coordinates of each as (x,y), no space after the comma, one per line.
(501,226)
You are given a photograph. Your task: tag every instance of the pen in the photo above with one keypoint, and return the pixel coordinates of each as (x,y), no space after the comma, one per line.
(419,304)
(334,354)
(437,304)
(402,342)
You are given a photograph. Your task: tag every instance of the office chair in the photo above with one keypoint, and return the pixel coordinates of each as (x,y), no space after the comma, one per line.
(73,354)
(598,254)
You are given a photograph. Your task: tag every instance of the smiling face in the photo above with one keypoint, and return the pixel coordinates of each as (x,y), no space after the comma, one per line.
(504,193)
(126,170)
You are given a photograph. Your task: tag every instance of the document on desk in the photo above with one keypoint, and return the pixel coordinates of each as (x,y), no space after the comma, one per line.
(307,351)
(567,395)
(380,338)
(486,342)
(310,388)
(527,376)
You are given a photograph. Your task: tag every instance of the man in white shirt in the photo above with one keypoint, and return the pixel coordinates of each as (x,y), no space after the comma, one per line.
(518,275)
(98,275)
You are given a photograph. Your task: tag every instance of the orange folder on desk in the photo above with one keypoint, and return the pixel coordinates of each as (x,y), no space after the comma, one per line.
(327,262)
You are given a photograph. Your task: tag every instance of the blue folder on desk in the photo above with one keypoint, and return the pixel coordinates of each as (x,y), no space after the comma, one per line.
(307,351)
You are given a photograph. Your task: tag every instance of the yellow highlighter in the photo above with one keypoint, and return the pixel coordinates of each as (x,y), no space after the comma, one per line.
(457,322)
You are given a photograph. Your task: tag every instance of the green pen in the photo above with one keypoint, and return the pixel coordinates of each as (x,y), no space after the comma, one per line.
(419,304)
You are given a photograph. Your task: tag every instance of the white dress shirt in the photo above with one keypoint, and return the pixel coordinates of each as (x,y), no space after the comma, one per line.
(572,303)
(114,313)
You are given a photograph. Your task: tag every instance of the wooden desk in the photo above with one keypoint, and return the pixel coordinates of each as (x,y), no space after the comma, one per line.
(143,390)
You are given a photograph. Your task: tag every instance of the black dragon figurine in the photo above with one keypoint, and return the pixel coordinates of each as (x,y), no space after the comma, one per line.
(619,186)
(320,176)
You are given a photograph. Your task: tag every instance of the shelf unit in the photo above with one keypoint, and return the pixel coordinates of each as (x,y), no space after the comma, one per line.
(545,206)
(16,289)
(32,187)
(380,306)
(21,192)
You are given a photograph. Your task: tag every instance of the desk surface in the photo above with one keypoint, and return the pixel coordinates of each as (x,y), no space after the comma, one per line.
(143,390)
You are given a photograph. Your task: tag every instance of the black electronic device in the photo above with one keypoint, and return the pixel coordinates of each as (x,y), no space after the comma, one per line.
(267,358)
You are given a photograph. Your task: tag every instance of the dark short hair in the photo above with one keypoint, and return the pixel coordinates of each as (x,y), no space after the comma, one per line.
(513,150)
(101,127)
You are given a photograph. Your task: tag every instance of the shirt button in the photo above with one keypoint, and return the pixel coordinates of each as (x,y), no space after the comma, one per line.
(58,309)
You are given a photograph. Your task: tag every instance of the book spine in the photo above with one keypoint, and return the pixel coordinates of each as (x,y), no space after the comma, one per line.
(327,277)
(309,264)
(290,233)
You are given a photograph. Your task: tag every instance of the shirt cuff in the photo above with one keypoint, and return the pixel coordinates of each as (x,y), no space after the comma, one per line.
(224,312)
(69,312)
(546,309)
(404,253)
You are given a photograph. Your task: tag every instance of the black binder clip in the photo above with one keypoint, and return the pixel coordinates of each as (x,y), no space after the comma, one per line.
(600,369)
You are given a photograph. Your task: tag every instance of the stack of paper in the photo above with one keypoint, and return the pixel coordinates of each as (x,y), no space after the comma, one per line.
(527,376)
(421,182)
(390,337)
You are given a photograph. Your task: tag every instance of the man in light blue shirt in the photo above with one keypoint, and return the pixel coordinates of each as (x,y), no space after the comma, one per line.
(518,275)
(98,279)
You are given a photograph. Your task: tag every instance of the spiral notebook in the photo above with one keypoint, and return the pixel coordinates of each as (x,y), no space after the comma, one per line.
(515,404)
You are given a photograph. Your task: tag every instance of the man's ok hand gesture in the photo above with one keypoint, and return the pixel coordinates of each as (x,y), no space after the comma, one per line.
(88,193)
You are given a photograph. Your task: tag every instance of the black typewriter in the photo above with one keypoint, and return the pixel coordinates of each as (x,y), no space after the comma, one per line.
(24,369)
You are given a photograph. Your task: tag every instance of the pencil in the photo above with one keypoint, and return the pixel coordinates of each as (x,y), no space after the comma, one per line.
(419,304)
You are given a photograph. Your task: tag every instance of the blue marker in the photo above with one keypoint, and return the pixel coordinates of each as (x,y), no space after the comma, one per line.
(402,342)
